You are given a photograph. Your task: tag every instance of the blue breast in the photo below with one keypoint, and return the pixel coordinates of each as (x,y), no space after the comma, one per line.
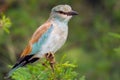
(36,47)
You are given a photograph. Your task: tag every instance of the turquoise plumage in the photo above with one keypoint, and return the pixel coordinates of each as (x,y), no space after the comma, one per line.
(36,47)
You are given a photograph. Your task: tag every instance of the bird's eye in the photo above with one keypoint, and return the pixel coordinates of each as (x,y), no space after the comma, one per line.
(61,12)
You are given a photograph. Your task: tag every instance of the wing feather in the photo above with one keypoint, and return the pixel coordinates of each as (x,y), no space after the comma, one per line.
(36,36)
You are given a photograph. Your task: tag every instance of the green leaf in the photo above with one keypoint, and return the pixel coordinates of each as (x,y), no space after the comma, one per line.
(5,23)
(116,35)
(82,78)
(63,71)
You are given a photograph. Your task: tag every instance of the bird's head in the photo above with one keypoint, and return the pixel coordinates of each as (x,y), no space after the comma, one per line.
(62,12)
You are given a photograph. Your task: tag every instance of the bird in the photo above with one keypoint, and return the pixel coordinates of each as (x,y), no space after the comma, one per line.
(47,39)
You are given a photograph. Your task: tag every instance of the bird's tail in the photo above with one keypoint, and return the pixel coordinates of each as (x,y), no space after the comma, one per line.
(22,62)
(11,71)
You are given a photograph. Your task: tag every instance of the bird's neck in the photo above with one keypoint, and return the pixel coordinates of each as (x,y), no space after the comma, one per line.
(58,20)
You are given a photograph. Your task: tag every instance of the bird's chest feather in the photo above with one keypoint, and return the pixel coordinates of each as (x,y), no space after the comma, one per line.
(59,33)
(56,38)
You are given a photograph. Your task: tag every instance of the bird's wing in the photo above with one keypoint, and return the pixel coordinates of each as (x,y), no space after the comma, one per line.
(30,48)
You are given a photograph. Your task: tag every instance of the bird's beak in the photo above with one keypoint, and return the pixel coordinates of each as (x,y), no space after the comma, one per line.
(73,13)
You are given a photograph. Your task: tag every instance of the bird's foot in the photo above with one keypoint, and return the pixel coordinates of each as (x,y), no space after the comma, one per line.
(44,64)
(50,57)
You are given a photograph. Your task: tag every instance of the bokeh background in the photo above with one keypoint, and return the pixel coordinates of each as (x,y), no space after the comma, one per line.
(94,35)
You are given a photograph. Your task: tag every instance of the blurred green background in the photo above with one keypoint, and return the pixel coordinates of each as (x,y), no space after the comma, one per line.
(94,35)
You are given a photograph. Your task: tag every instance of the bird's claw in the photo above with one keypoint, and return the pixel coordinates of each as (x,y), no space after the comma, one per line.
(50,57)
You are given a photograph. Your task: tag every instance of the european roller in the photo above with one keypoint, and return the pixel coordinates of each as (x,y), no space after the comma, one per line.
(48,38)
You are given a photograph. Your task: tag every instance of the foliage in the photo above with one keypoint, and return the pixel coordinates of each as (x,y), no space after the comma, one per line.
(117,49)
(5,23)
(115,35)
(63,71)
